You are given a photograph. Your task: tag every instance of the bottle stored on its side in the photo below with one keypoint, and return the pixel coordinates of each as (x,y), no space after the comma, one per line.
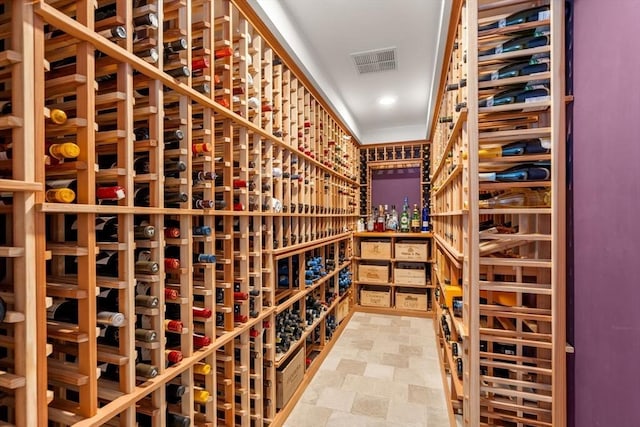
(518,148)
(534,14)
(523,68)
(517,43)
(516,95)
(539,171)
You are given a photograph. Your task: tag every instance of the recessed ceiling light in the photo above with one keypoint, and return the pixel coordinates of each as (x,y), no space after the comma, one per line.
(387,100)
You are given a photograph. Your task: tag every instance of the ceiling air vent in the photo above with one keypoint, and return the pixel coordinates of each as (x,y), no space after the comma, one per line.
(375,61)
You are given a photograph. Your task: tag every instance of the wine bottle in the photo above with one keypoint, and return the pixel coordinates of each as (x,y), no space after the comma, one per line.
(115,33)
(518,148)
(149,20)
(538,171)
(172,257)
(524,68)
(182,71)
(518,198)
(175,47)
(534,14)
(516,95)
(5,108)
(58,153)
(518,43)
(177,420)
(204,258)
(60,191)
(144,263)
(201,368)
(174,392)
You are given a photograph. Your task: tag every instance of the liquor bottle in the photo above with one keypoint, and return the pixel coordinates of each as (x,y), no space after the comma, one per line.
(380,220)
(515,95)
(405,225)
(518,198)
(371,222)
(523,68)
(392,221)
(518,148)
(539,171)
(518,43)
(143,296)
(415,220)
(425,218)
(534,14)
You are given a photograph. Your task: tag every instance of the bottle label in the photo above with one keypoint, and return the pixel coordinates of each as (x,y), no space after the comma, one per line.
(104,294)
(4,155)
(544,15)
(502,23)
(489,101)
(495,75)
(498,49)
(105,259)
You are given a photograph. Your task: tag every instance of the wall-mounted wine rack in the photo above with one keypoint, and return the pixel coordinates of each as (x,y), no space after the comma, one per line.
(183,159)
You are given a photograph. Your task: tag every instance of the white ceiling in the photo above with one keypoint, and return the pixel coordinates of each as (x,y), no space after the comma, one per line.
(321,36)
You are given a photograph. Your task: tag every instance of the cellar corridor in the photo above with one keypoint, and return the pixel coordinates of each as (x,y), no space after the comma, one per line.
(382,372)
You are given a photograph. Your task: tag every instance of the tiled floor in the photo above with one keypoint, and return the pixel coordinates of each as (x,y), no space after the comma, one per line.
(382,372)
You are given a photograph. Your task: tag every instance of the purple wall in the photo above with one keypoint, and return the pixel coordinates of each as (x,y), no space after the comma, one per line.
(607,213)
(390,186)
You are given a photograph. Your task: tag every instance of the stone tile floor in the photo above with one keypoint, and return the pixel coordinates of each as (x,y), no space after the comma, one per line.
(382,372)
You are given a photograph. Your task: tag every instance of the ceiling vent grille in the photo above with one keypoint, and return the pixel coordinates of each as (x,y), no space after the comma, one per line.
(375,61)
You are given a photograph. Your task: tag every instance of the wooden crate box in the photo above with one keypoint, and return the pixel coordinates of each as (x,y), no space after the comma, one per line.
(411,300)
(375,297)
(289,378)
(375,250)
(411,251)
(342,310)
(369,273)
(410,274)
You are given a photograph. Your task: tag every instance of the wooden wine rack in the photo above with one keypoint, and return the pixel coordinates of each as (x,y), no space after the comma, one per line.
(392,156)
(510,330)
(286,189)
